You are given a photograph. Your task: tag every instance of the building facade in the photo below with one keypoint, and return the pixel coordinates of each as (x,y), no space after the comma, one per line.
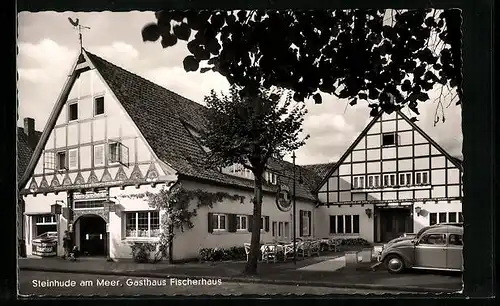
(393,179)
(113,135)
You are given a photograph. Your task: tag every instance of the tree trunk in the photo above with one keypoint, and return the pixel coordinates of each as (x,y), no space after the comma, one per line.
(253,256)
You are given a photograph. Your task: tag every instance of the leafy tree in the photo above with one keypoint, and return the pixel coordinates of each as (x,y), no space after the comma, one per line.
(389,58)
(248,131)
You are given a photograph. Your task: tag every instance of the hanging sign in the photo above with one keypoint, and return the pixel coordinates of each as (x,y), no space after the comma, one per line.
(283,198)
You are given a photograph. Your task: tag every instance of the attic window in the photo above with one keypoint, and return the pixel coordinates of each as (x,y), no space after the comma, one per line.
(118,153)
(389,139)
(73,111)
(98,106)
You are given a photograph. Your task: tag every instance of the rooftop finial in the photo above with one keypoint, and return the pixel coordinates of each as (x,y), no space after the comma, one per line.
(76,24)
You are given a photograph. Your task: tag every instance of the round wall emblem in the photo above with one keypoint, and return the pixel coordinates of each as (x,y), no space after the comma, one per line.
(283,198)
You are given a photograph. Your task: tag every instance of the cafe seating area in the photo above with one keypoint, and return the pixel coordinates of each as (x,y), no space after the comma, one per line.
(282,251)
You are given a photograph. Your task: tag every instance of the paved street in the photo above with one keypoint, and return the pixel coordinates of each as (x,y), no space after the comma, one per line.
(31,283)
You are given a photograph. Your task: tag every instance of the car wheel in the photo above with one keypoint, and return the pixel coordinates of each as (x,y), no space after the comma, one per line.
(394,264)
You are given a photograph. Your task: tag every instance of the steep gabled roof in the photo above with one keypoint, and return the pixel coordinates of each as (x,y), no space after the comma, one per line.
(363,133)
(163,118)
(24,151)
(317,172)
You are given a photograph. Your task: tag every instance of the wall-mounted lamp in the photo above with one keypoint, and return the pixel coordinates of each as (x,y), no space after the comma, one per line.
(56,208)
(368,212)
(418,210)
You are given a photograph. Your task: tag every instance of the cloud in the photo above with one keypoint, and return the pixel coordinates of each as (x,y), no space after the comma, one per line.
(194,86)
(118,52)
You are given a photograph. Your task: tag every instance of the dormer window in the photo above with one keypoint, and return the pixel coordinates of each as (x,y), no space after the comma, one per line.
(389,139)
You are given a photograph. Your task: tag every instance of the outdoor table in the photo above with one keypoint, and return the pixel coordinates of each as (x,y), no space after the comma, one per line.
(279,248)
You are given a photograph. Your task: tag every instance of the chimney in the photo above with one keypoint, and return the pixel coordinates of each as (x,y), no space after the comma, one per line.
(29,130)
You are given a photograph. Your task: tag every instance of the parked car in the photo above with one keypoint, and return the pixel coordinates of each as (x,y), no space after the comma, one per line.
(410,236)
(47,236)
(436,248)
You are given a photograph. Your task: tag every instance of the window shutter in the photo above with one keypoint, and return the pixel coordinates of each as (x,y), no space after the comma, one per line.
(73,159)
(231,223)
(250,223)
(301,223)
(333,222)
(266,225)
(210,225)
(99,155)
(309,217)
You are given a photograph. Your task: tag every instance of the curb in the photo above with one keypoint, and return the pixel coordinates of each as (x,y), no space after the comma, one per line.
(407,289)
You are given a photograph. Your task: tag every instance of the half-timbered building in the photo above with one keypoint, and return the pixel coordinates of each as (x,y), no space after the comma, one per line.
(112,135)
(393,179)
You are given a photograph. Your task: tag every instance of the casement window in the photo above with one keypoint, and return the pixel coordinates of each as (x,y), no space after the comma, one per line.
(219,222)
(373,181)
(286,232)
(238,170)
(45,220)
(118,153)
(443,217)
(344,224)
(389,139)
(44,224)
(405,179)
(73,111)
(49,161)
(98,155)
(271,178)
(358,182)
(422,178)
(305,223)
(142,224)
(98,106)
(280,229)
(275,229)
(89,204)
(389,180)
(61,161)
(73,159)
(241,223)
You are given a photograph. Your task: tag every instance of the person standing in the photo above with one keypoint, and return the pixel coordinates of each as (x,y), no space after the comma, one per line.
(67,244)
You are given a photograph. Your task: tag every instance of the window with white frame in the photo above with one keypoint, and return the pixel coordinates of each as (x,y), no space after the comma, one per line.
(405,179)
(344,224)
(238,170)
(61,161)
(98,155)
(73,159)
(118,153)
(275,229)
(73,111)
(219,222)
(44,224)
(389,139)
(241,223)
(389,180)
(98,106)
(422,178)
(373,181)
(286,231)
(280,229)
(142,224)
(262,220)
(443,217)
(271,178)
(358,182)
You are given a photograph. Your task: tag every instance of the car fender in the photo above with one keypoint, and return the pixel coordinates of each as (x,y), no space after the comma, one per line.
(406,259)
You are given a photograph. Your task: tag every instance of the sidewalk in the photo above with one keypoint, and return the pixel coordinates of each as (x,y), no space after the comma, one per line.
(279,273)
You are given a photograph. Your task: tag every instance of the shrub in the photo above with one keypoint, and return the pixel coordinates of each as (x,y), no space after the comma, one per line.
(141,251)
(219,254)
(355,242)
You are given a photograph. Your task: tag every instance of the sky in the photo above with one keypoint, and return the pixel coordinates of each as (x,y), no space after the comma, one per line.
(48,46)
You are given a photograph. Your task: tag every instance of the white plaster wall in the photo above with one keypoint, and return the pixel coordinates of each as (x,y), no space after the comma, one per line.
(433,207)
(322,221)
(188,243)
(41,205)
(119,244)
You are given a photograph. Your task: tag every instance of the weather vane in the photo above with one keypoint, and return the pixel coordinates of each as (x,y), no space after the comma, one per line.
(76,24)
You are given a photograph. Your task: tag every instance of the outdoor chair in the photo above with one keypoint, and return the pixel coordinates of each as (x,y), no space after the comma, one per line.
(247,249)
(307,248)
(301,250)
(333,244)
(314,248)
(288,251)
(270,252)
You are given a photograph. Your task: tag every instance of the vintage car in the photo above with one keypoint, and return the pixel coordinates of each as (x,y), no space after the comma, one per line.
(410,236)
(437,248)
(47,236)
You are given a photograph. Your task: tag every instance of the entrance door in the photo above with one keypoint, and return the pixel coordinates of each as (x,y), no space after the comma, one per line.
(92,236)
(394,222)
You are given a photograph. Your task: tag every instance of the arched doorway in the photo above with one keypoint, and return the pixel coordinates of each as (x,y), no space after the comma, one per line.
(90,235)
